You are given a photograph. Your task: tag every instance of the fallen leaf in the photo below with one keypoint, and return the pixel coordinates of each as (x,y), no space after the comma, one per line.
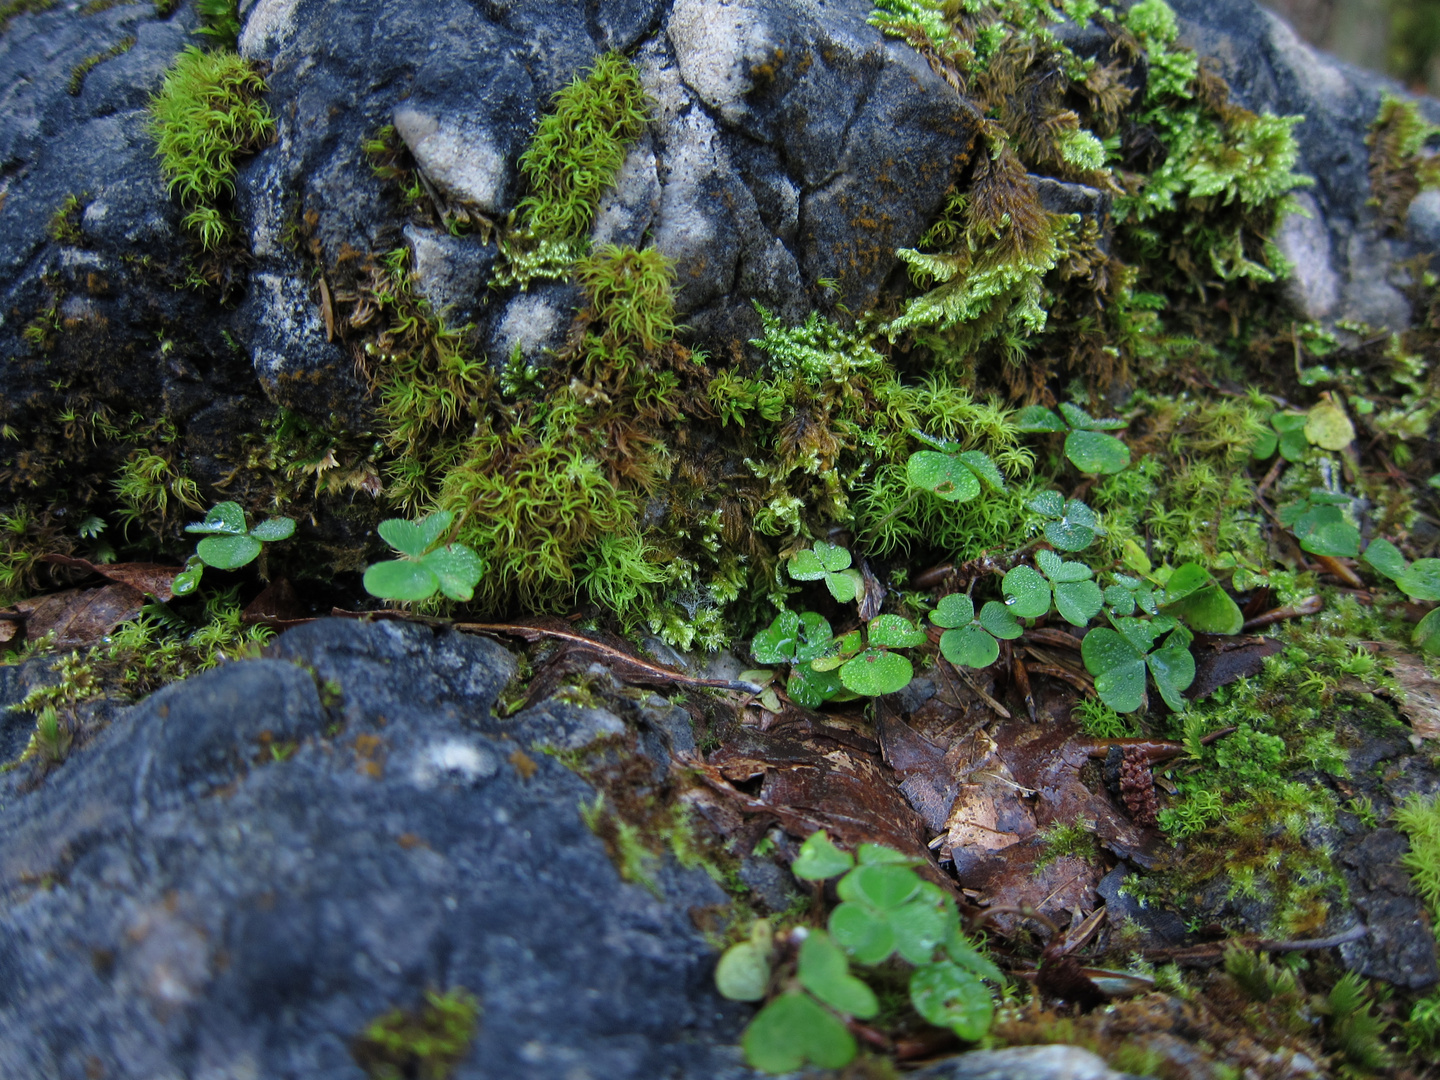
(277,607)
(1420,700)
(1219,661)
(80,617)
(810,775)
(154,579)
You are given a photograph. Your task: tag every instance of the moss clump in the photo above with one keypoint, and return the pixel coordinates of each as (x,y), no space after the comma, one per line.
(1400,165)
(579,147)
(424,1044)
(531,503)
(1419,818)
(206,118)
(65,222)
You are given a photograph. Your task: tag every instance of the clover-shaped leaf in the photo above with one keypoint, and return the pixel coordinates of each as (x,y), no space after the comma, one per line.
(875,672)
(811,689)
(943,475)
(1320,526)
(1286,433)
(776,643)
(825,972)
(415,538)
(948,996)
(1096,452)
(1118,660)
(1426,636)
(1193,595)
(230,543)
(228,552)
(1128,593)
(819,859)
(1077,598)
(794,1029)
(275,528)
(1385,557)
(968,641)
(423,570)
(226,517)
(894,631)
(969,646)
(1027,593)
(1036,418)
(962,952)
(880,855)
(743,973)
(1087,446)
(829,563)
(954,476)
(1419,580)
(1071,526)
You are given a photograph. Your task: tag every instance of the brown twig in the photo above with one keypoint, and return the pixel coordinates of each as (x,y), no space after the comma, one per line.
(1309,606)
(1046,636)
(608,652)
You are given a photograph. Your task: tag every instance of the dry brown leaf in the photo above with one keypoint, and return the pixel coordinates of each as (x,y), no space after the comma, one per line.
(154,579)
(1420,702)
(80,617)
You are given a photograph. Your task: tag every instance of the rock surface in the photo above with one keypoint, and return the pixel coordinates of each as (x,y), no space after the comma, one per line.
(791,142)
(1344,268)
(175,902)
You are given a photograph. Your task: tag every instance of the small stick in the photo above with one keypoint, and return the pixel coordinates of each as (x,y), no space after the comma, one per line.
(1271,476)
(530,633)
(1046,636)
(1309,606)
(1064,675)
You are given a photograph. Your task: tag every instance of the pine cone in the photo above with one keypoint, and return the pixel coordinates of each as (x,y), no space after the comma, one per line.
(1137,787)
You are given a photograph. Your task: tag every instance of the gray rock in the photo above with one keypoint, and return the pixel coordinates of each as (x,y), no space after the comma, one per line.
(1352,273)
(535,322)
(176,902)
(1057,1062)
(452,272)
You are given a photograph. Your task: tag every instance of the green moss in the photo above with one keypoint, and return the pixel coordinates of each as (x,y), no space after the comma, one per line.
(1400,165)
(575,154)
(1419,818)
(206,118)
(11,8)
(219,21)
(84,67)
(146,486)
(65,222)
(1061,839)
(428,1043)
(579,147)
(532,503)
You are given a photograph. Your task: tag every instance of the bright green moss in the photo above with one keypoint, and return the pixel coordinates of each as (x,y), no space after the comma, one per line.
(10,8)
(579,147)
(1419,818)
(84,67)
(428,1043)
(531,504)
(206,118)
(631,296)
